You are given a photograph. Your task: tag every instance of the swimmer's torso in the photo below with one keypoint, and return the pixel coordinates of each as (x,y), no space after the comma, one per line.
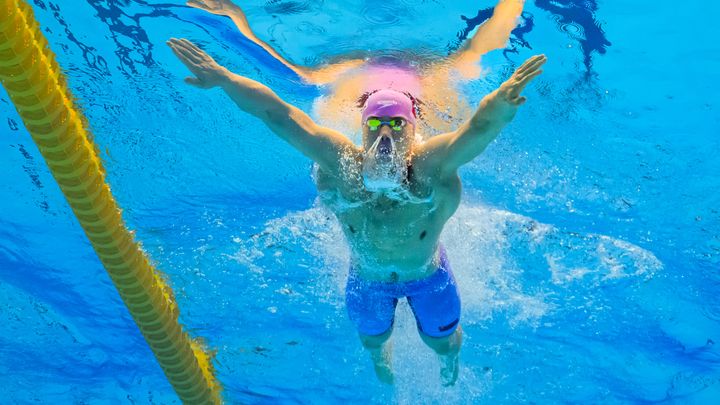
(391,239)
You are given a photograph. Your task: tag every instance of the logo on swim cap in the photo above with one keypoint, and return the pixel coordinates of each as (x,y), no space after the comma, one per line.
(386,103)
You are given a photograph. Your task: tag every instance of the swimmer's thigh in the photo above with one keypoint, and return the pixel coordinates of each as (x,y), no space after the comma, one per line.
(370,309)
(437,309)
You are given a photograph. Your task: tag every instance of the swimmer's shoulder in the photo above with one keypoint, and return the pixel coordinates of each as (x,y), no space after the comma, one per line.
(344,183)
(430,172)
(335,193)
(324,180)
(445,185)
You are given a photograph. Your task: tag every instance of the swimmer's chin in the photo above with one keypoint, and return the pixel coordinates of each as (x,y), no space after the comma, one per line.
(389,190)
(388,186)
(384,159)
(382,177)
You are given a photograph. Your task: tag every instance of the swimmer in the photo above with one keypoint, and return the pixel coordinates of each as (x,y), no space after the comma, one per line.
(431,81)
(392,195)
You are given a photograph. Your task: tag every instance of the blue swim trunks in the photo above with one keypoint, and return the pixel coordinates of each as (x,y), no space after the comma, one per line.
(434,301)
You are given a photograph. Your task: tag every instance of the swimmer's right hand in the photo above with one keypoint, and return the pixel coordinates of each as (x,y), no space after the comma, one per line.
(208,73)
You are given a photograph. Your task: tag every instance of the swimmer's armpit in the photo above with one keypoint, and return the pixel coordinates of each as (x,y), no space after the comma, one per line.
(322,75)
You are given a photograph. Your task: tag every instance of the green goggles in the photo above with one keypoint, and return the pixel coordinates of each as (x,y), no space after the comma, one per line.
(396,124)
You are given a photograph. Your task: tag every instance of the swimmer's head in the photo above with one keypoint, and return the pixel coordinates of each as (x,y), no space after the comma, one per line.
(396,113)
(389,103)
(388,121)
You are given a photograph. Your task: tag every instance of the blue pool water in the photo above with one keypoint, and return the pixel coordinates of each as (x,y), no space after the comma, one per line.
(586,248)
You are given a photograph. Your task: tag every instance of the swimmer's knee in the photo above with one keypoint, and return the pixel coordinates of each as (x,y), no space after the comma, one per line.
(375,341)
(444,344)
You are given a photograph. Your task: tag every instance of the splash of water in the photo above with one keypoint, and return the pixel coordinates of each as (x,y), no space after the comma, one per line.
(382,168)
(505,263)
(508,268)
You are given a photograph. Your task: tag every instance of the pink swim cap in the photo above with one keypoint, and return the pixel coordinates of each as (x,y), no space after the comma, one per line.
(389,103)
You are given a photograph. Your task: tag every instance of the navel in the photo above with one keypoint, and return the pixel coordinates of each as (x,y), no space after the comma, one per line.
(422,235)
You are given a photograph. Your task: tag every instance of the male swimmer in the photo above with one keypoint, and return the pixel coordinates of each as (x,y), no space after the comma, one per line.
(432,80)
(392,196)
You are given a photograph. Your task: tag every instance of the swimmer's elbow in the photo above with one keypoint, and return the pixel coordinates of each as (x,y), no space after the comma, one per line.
(479,126)
(252,97)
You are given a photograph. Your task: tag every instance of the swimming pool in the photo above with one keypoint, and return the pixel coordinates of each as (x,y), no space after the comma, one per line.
(586,247)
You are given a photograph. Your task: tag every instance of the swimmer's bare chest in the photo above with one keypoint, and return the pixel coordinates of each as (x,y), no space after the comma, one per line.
(391,239)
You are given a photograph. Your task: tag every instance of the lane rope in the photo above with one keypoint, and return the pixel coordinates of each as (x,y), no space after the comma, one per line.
(36,85)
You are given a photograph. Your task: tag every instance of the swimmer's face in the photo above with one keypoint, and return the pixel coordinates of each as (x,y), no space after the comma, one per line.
(398,129)
(388,144)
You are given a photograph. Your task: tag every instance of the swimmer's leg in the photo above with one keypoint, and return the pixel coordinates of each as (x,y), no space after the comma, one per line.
(436,305)
(492,34)
(372,310)
(227,8)
(380,348)
(448,348)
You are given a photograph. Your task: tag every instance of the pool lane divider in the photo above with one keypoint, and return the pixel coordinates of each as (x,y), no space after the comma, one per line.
(32,78)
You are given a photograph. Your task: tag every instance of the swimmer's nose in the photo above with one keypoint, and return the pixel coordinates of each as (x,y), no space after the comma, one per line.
(385,146)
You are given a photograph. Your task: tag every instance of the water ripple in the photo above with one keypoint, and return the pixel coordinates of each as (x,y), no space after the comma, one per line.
(287,7)
(576,18)
(384,15)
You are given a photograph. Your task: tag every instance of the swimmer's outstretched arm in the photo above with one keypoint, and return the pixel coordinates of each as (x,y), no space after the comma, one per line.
(229,9)
(449,151)
(323,145)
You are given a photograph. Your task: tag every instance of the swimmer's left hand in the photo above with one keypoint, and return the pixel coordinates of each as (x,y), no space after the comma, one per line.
(511,89)
(208,73)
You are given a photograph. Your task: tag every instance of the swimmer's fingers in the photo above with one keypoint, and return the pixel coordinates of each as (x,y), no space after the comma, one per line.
(194,81)
(187,58)
(531,64)
(180,51)
(529,70)
(182,44)
(534,66)
(192,53)
(516,101)
(522,82)
(512,88)
(525,64)
(530,61)
(198,53)
(206,70)
(178,43)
